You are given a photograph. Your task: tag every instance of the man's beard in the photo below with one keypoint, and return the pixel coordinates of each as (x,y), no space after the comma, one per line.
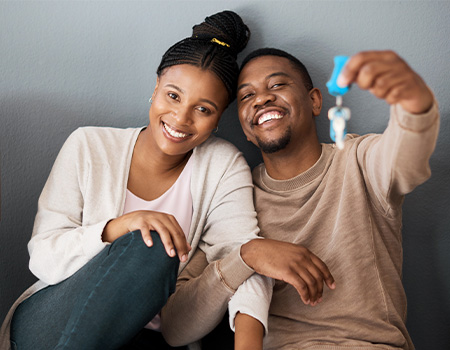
(275,145)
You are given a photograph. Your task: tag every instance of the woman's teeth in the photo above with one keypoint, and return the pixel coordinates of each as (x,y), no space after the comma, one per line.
(174,133)
(269,116)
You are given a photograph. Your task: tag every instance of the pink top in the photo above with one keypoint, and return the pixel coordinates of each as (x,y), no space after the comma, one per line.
(177,201)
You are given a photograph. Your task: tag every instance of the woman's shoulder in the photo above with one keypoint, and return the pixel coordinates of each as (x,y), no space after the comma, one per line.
(96,133)
(94,136)
(99,142)
(217,147)
(218,156)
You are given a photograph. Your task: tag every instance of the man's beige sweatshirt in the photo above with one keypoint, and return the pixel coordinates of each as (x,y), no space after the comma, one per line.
(347,209)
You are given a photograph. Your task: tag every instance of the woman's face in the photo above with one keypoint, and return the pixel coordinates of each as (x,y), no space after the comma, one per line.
(187,105)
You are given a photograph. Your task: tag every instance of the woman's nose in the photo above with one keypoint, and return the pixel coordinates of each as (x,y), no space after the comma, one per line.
(183,116)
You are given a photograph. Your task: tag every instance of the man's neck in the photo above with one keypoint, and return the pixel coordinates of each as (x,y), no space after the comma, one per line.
(288,163)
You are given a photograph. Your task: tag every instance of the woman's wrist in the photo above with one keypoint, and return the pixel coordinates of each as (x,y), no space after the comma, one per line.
(110,229)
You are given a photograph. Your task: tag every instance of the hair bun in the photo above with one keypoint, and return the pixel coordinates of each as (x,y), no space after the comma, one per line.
(226,29)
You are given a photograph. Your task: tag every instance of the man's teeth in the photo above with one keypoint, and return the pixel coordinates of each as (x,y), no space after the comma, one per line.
(269,116)
(173,132)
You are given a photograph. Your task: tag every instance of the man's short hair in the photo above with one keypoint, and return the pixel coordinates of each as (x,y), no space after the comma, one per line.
(268,51)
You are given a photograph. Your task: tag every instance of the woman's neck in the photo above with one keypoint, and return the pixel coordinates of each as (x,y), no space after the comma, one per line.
(147,155)
(152,172)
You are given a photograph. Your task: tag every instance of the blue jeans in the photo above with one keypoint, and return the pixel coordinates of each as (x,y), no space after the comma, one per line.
(104,304)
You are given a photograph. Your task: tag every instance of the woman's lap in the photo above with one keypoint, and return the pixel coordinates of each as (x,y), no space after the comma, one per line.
(104,304)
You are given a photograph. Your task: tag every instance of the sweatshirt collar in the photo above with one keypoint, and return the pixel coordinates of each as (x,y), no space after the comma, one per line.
(301,179)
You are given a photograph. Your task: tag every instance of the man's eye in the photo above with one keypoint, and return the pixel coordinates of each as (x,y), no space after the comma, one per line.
(277,85)
(245,97)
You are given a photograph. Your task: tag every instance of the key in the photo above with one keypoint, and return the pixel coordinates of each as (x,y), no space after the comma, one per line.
(338,115)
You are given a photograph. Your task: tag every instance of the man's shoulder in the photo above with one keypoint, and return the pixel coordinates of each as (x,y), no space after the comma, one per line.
(256,173)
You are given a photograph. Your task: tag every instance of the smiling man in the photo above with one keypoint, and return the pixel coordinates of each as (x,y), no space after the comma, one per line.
(342,209)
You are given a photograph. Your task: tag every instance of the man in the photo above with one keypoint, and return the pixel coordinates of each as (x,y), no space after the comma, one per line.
(342,206)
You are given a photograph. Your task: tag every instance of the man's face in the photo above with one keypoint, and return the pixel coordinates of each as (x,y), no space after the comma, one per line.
(275,109)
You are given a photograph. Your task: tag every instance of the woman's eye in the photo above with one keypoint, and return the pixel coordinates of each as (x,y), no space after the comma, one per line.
(203,110)
(172,95)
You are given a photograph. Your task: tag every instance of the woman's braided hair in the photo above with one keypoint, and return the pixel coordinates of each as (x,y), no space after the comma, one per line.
(214,45)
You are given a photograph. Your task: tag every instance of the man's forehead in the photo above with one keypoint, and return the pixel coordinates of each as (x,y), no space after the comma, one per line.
(266,67)
(267,61)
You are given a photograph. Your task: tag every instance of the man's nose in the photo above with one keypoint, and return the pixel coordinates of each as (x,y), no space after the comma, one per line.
(263,98)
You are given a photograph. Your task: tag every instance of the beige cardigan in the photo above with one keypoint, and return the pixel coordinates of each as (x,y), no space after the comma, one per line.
(86,188)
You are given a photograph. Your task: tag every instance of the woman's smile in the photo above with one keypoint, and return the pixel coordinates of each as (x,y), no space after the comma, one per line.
(172,132)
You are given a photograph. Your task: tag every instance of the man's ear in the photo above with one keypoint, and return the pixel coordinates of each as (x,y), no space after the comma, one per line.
(316,100)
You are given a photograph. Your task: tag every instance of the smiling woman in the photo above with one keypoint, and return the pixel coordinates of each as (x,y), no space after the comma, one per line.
(124,210)
(181,118)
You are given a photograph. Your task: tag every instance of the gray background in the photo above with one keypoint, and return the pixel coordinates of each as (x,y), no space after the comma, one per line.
(68,64)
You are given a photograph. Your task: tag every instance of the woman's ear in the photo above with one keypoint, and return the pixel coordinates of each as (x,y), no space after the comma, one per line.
(156,88)
(316,99)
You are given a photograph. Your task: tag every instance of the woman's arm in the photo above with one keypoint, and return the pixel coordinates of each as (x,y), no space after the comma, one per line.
(61,241)
(252,298)
(249,333)
(80,207)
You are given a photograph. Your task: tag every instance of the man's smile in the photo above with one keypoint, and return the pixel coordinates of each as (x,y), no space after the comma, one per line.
(269,116)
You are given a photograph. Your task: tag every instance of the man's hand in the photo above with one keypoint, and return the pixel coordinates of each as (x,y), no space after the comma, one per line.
(387,76)
(291,263)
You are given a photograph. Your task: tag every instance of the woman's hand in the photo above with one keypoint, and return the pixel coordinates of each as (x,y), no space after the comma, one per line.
(172,235)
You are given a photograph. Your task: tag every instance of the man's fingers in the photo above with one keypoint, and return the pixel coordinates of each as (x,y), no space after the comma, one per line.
(317,285)
(300,286)
(354,66)
(326,274)
(306,285)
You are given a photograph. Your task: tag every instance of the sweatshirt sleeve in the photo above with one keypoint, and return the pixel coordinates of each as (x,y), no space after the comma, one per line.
(201,297)
(60,245)
(398,160)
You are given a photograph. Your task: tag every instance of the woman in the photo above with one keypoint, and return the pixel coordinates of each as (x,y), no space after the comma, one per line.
(123,207)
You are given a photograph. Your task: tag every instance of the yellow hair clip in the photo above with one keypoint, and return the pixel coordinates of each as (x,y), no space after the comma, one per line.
(214,40)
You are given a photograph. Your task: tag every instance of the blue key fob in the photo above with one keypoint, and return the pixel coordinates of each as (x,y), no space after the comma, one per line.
(333,88)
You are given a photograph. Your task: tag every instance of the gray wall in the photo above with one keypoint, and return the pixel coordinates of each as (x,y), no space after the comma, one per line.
(67,64)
